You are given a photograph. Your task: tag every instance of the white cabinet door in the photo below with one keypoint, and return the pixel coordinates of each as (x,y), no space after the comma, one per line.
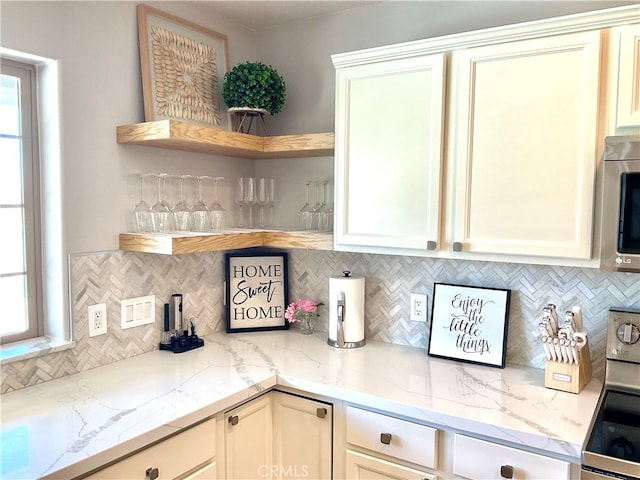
(389,153)
(522,149)
(628,111)
(279,435)
(248,440)
(365,467)
(171,458)
(302,437)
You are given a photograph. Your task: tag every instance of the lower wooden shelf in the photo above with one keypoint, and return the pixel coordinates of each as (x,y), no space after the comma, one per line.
(179,243)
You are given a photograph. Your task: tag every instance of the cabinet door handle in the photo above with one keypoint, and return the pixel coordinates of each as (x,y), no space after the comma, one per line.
(457,246)
(385,438)
(321,412)
(151,473)
(233,420)
(506,471)
(431,245)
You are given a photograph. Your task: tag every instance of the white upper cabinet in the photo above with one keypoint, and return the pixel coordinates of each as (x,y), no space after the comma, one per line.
(523,147)
(389,116)
(483,145)
(628,104)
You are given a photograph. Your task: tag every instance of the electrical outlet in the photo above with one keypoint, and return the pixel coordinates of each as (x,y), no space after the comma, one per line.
(97,315)
(418,307)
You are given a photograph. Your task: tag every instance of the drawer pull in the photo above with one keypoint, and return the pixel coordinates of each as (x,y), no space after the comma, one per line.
(506,471)
(385,438)
(151,474)
(321,412)
(233,420)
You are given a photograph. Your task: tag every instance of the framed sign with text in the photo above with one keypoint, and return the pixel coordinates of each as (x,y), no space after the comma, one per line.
(469,324)
(256,292)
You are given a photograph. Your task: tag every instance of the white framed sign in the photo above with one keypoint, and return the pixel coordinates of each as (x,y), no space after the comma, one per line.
(469,324)
(256,293)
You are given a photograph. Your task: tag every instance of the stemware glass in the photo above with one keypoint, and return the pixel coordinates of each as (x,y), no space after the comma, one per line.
(317,208)
(250,197)
(239,199)
(181,210)
(200,213)
(272,196)
(217,210)
(142,211)
(262,199)
(159,211)
(328,209)
(305,214)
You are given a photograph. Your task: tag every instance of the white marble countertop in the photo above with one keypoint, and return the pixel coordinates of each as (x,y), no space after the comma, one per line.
(68,426)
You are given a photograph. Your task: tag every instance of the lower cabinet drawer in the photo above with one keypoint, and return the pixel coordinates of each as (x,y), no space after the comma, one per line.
(391,436)
(365,467)
(172,457)
(477,459)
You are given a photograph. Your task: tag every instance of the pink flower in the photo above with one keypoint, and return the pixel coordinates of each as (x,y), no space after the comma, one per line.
(307,306)
(301,308)
(290,313)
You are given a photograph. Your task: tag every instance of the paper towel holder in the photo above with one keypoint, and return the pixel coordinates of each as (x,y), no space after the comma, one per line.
(342,316)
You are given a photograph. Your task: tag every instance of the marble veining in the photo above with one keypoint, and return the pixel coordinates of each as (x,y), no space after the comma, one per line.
(74,424)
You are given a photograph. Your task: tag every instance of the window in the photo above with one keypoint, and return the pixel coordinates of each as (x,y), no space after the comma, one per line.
(20,265)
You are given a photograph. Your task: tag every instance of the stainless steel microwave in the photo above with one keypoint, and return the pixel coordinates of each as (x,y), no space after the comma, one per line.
(620,241)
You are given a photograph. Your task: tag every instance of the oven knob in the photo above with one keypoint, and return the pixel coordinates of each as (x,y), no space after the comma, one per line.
(628,333)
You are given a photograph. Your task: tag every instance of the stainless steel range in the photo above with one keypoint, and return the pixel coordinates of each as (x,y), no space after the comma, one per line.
(613,446)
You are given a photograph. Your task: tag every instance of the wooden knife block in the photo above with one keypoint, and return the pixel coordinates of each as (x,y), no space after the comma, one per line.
(568,377)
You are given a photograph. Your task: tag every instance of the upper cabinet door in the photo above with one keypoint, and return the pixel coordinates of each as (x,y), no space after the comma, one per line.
(628,111)
(523,147)
(389,127)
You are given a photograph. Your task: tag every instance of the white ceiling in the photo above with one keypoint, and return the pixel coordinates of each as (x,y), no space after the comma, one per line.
(258,14)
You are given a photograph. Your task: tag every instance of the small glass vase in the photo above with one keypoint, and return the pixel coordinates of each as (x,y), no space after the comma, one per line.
(306,327)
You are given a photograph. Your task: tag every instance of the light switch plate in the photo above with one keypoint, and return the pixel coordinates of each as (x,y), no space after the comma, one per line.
(137,311)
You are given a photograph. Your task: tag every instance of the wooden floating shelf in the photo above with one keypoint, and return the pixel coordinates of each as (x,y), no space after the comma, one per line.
(177,244)
(188,137)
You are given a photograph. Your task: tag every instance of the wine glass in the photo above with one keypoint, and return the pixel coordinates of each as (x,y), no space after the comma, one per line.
(239,199)
(200,213)
(159,211)
(272,195)
(142,210)
(250,197)
(317,208)
(182,211)
(217,211)
(328,208)
(322,212)
(262,199)
(306,212)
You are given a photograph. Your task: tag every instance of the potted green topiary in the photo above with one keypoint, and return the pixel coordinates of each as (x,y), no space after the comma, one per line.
(254,86)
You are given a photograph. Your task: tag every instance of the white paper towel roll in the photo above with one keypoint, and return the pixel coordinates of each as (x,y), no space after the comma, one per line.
(353,323)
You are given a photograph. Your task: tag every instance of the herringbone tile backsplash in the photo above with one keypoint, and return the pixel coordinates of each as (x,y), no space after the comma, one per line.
(110,277)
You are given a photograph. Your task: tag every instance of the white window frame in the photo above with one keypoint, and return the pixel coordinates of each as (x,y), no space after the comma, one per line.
(27,75)
(57,332)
